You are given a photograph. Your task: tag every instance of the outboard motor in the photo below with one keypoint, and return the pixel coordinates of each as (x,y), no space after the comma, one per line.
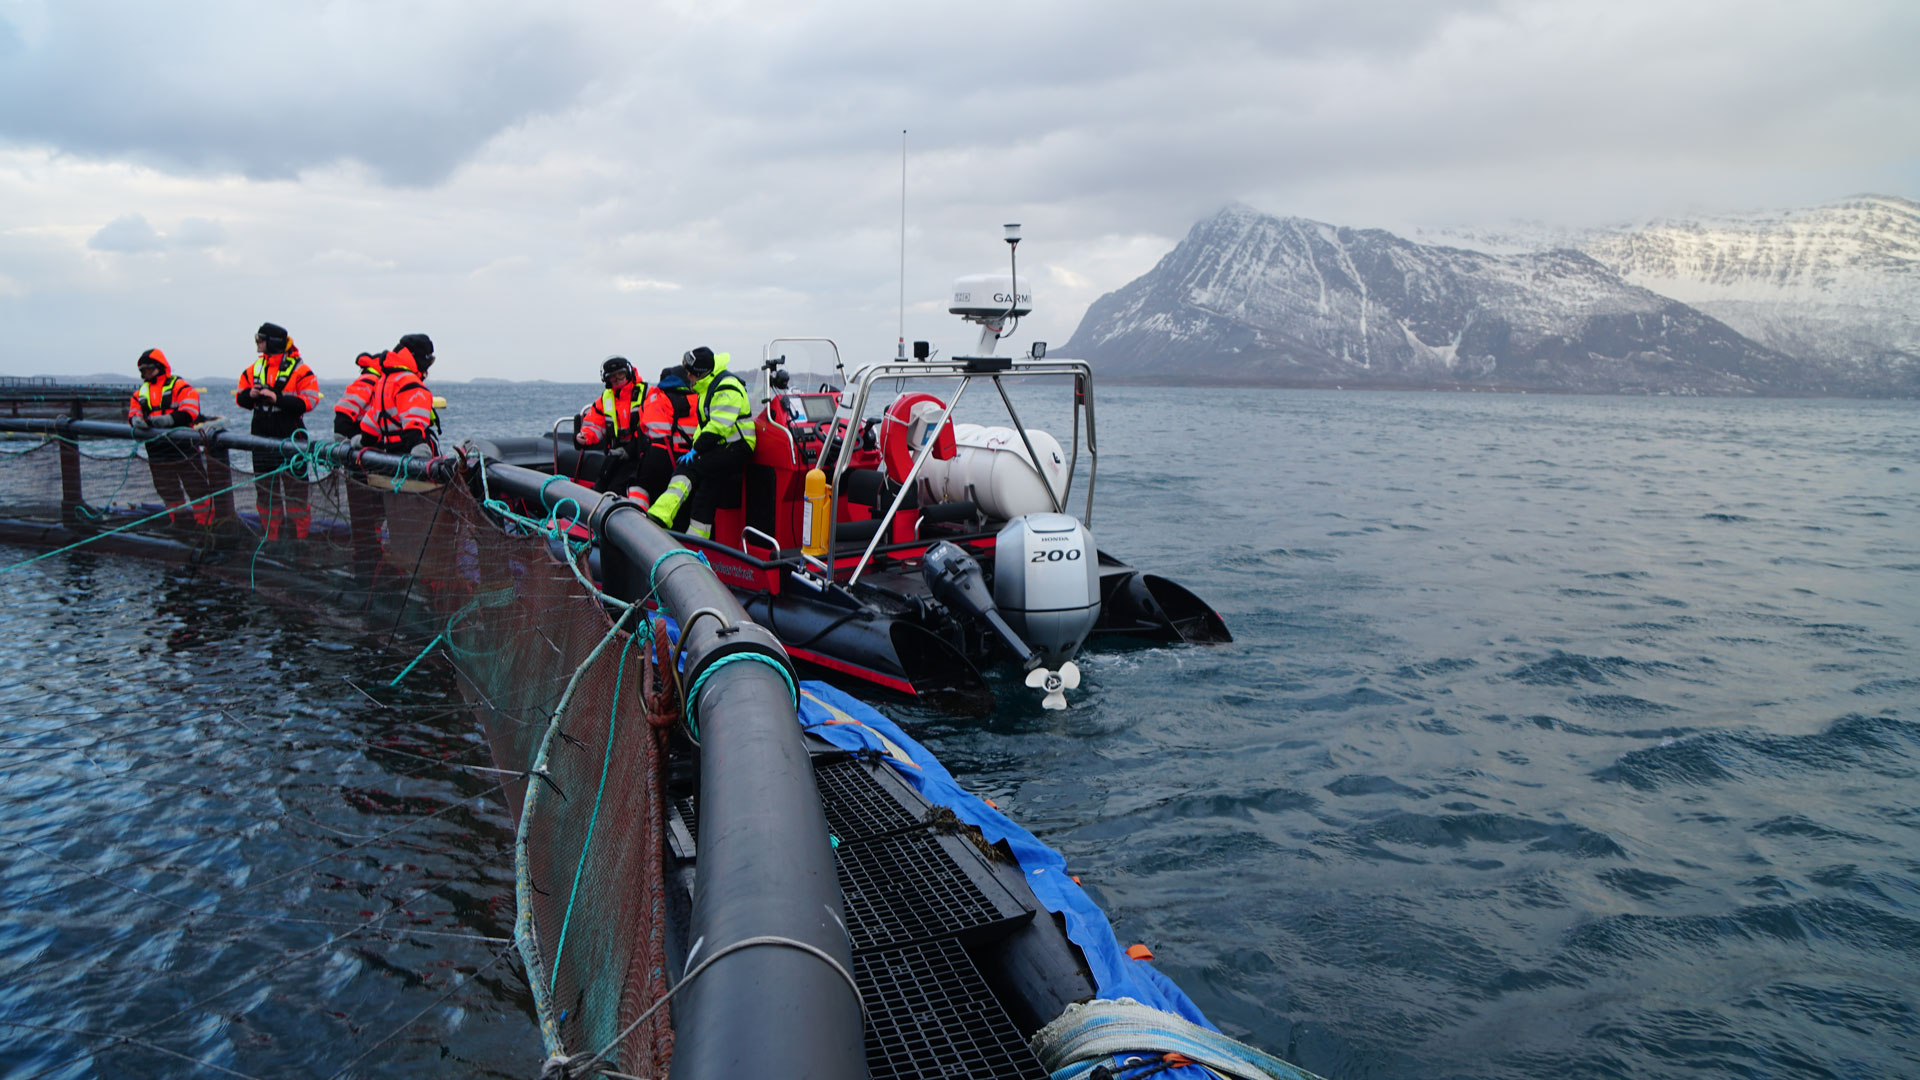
(958,582)
(1046,579)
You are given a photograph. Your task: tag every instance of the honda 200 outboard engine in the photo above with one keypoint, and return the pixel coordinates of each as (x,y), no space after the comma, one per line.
(1046,581)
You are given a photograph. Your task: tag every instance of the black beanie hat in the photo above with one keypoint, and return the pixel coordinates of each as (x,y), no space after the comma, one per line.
(617,363)
(420,345)
(273,336)
(698,361)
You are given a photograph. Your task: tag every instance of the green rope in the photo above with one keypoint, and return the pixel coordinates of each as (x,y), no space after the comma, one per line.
(693,695)
(524,931)
(437,638)
(653,585)
(297,452)
(606,760)
(169,511)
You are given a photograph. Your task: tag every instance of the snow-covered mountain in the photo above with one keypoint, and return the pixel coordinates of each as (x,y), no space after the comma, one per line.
(1247,296)
(1837,286)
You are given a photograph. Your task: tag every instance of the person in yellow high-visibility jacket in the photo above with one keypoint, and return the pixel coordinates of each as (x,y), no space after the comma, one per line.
(709,475)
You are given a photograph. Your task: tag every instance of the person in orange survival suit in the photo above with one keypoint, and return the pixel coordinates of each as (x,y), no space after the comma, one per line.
(354,399)
(623,420)
(279,388)
(399,414)
(166,401)
(366,510)
(673,415)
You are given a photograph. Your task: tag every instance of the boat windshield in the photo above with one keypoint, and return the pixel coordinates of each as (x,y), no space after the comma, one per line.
(809,364)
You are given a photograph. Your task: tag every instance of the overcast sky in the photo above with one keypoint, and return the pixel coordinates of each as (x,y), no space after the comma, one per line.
(540,185)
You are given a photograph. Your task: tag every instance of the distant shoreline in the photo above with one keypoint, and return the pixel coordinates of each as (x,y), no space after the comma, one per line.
(1255,383)
(1210,381)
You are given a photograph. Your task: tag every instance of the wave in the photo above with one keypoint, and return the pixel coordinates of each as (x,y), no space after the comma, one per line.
(1880,744)
(1457,831)
(1572,669)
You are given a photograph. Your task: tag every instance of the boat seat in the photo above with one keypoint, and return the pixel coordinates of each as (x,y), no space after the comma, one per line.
(948,513)
(855,532)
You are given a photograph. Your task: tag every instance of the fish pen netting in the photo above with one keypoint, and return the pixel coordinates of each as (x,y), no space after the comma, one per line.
(577,709)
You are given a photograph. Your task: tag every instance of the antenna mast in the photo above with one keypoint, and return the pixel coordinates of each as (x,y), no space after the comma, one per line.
(902,347)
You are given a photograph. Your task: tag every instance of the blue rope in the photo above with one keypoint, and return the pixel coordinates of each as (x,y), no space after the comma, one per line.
(693,696)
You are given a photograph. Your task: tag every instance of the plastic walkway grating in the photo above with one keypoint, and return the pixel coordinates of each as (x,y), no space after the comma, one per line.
(902,889)
(857,804)
(930,1014)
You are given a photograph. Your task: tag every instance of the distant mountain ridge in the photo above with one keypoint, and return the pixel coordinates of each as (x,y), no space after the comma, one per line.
(1252,297)
(1836,285)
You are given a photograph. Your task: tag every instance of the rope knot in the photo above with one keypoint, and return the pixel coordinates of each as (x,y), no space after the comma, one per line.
(572,1068)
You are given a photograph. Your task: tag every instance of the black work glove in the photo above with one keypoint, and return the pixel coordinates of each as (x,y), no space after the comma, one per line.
(345,426)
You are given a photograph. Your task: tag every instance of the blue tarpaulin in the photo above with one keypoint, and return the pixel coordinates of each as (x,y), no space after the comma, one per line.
(851,724)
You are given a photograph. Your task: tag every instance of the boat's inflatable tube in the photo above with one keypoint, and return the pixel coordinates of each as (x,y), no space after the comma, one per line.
(1147,604)
(990,467)
(860,643)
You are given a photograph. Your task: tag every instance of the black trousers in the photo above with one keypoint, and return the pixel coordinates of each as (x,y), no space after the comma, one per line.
(717,476)
(649,471)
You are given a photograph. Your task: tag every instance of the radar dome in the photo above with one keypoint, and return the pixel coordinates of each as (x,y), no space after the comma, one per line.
(990,296)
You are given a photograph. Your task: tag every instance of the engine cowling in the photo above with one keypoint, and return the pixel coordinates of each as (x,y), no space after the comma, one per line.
(1046,583)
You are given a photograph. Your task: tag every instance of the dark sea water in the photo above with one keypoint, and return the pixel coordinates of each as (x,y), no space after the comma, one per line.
(1563,737)
(217,854)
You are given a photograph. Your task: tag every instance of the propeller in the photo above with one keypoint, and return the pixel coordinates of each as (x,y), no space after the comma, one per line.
(1055,684)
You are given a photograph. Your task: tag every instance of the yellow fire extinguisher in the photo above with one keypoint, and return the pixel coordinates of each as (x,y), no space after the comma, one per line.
(814,526)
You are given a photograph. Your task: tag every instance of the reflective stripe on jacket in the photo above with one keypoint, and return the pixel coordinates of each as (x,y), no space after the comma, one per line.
(355,398)
(656,417)
(290,375)
(619,410)
(400,402)
(725,409)
(168,394)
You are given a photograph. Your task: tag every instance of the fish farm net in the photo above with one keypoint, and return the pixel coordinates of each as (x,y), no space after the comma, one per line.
(576,707)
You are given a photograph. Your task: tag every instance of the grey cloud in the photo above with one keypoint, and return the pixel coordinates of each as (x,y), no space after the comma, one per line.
(1163,111)
(132,234)
(270,90)
(198,233)
(749,153)
(128,234)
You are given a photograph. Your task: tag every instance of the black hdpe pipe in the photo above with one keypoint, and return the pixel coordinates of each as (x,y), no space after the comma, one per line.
(766,869)
(440,468)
